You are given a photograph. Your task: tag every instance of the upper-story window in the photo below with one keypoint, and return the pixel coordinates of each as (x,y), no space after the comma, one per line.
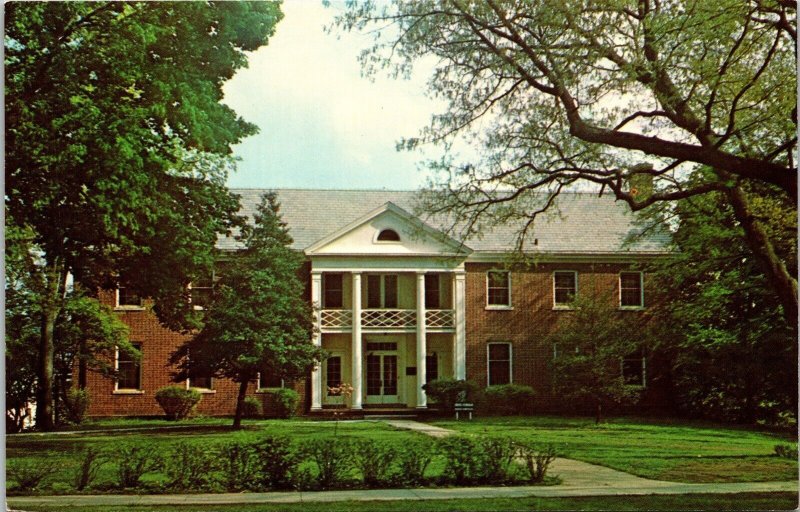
(565,287)
(631,291)
(333,291)
(432,300)
(388,235)
(128,297)
(202,291)
(498,288)
(382,291)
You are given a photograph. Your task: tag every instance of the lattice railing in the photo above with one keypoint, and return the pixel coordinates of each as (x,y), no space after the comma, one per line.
(441,318)
(336,318)
(397,318)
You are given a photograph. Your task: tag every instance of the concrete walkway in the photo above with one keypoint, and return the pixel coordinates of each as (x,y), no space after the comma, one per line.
(579,479)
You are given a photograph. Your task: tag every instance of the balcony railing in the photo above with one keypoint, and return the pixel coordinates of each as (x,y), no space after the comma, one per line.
(386,319)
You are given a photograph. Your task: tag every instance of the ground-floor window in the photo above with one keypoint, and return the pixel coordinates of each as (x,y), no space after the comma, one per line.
(333,373)
(269,379)
(431,367)
(203,382)
(499,363)
(634,369)
(129,369)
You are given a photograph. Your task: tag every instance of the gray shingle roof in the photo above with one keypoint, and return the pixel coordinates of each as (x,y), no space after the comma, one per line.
(581,223)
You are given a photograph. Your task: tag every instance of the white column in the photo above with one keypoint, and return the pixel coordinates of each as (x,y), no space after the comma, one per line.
(355,362)
(422,399)
(460,341)
(316,373)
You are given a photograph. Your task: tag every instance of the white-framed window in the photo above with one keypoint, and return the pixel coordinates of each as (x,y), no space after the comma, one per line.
(200,382)
(269,380)
(498,363)
(634,370)
(388,235)
(201,291)
(129,369)
(432,297)
(565,288)
(126,297)
(333,374)
(381,291)
(332,290)
(631,290)
(498,289)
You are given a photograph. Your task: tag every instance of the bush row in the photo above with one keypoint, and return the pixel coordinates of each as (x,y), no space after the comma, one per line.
(501,400)
(277,463)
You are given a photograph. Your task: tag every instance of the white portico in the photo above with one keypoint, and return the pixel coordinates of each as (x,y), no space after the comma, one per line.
(388,292)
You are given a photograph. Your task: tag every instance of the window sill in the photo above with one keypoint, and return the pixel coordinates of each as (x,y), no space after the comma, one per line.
(563,308)
(499,308)
(631,308)
(266,390)
(128,392)
(129,308)
(205,391)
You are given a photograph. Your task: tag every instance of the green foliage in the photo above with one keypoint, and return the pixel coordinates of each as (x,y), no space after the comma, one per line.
(286,401)
(787,451)
(133,461)
(499,453)
(259,320)
(237,461)
(276,462)
(373,459)
(77,402)
(92,459)
(464,459)
(506,400)
(591,344)
(536,460)
(252,408)
(333,459)
(178,403)
(445,393)
(30,474)
(413,458)
(188,465)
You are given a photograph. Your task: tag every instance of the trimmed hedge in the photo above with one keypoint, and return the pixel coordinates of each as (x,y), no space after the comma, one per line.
(506,400)
(445,393)
(178,403)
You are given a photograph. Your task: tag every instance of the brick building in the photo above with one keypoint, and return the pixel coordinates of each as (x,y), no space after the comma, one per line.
(401,303)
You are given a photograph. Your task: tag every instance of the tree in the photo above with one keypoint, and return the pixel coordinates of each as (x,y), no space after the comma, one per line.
(118,146)
(592,346)
(258,320)
(605,93)
(733,355)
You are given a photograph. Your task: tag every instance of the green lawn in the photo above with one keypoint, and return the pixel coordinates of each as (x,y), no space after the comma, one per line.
(744,501)
(678,451)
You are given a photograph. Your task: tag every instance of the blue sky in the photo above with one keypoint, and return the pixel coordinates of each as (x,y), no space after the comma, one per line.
(322,124)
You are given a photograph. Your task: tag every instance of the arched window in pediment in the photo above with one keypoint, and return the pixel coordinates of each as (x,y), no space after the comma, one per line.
(388,235)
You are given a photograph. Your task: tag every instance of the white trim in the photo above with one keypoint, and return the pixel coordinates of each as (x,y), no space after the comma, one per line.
(510,361)
(641,305)
(564,306)
(202,390)
(126,307)
(260,389)
(571,257)
(507,306)
(129,391)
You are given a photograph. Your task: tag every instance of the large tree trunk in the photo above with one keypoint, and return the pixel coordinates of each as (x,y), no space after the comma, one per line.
(758,241)
(237,418)
(51,306)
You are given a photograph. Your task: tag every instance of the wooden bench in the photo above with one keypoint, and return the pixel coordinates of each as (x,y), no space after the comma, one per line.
(464,407)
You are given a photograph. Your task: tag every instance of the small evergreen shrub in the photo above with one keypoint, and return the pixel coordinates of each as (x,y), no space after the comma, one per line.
(536,461)
(178,403)
(373,459)
(237,462)
(76,405)
(133,461)
(91,461)
(786,451)
(445,393)
(333,458)
(413,459)
(29,474)
(276,462)
(506,400)
(252,408)
(285,401)
(188,466)
(498,454)
(464,459)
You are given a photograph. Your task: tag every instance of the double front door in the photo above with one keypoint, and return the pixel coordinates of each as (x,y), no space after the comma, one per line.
(382,364)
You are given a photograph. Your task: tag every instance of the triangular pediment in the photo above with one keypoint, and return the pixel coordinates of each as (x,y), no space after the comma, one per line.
(363,237)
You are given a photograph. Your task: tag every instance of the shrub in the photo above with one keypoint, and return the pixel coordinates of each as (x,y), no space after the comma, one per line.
(237,462)
(498,455)
(373,459)
(188,466)
(30,473)
(447,392)
(76,405)
(286,401)
(252,407)
(413,459)
(464,459)
(786,451)
(178,403)
(276,462)
(133,461)
(507,399)
(536,461)
(91,461)
(333,458)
